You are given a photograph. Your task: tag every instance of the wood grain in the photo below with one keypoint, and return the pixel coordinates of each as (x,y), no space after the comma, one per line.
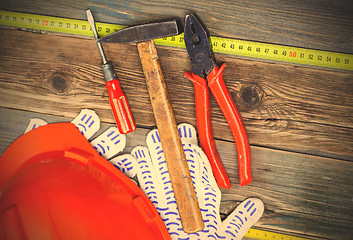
(324,25)
(303,195)
(185,196)
(287,107)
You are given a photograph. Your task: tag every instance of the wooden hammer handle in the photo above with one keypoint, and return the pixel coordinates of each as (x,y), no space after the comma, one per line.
(184,192)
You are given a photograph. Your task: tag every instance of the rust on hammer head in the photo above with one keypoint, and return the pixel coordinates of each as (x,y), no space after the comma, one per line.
(144,32)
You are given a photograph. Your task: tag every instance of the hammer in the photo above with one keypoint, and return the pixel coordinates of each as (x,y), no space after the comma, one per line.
(143,35)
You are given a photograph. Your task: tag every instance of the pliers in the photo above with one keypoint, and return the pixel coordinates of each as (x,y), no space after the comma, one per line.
(207,75)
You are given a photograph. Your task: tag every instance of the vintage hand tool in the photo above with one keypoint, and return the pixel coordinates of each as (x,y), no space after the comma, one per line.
(118,101)
(207,75)
(183,188)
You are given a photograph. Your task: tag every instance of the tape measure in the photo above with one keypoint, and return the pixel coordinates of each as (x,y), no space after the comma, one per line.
(265,235)
(235,47)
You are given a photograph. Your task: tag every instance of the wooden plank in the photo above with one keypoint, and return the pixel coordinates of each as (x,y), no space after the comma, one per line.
(304,195)
(287,107)
(324,25)
(313,193)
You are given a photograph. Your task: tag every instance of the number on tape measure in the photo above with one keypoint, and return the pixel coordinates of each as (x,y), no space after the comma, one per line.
(282,53)
(235,47)
(261,234)
(54,24)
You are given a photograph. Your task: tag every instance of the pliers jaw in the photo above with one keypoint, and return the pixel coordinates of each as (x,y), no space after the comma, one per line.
(198,47)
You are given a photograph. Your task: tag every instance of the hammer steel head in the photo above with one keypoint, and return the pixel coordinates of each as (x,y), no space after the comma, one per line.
(142,33)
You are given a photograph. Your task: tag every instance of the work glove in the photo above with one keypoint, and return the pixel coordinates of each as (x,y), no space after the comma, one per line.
(149,165)
(108,144)
(154,180)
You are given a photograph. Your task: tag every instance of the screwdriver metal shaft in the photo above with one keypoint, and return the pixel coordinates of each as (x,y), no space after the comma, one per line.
(95,33)
(118,101)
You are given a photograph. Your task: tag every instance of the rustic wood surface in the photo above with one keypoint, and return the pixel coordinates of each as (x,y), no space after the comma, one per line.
(299,119)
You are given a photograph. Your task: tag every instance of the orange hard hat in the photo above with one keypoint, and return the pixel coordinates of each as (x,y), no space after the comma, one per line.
(54,185)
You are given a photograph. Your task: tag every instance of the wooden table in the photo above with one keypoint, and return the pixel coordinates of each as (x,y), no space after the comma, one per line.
(299,118)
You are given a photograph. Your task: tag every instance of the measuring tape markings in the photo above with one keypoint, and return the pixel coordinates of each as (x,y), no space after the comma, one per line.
(265,235)
(54,24)
(220,45)
(283,53)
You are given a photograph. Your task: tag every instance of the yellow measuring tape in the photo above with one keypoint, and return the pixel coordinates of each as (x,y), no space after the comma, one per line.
(220,45)
(265,235)
(235,47)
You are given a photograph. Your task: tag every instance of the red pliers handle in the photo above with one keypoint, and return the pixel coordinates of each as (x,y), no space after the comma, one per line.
(225,101)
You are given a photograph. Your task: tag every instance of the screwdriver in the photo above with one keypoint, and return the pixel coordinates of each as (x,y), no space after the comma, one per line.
(117,98)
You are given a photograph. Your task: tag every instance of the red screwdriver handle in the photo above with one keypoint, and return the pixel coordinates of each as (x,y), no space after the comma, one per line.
(204,128)
(120,107)
(235,122)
